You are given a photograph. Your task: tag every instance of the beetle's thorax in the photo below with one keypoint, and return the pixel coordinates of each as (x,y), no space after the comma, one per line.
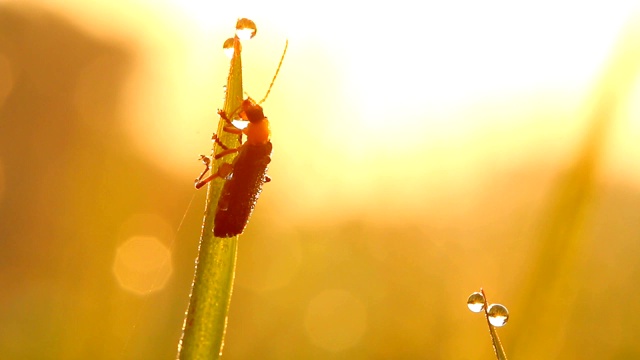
(258,132)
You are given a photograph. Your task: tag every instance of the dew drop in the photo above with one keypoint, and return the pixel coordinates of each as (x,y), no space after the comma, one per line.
(498,315)
(224,92)
(475,302)
(228,47)
(246,29)
(240,124)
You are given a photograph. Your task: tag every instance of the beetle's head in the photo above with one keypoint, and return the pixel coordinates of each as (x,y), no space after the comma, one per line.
(251,111)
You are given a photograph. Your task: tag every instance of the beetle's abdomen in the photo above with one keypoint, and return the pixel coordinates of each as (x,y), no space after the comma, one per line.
(241,191)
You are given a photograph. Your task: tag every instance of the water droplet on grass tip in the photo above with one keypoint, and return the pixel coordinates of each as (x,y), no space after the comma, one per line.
(246,29)
(228,47)
(475,302)
(498,315)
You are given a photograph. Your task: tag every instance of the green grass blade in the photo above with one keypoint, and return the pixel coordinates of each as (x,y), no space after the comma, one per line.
(206,319)
(495,340)
(497,345)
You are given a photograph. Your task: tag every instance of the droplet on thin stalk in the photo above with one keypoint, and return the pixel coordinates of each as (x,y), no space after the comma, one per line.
(246,29)
(498,315)
(475,302)
(228,47)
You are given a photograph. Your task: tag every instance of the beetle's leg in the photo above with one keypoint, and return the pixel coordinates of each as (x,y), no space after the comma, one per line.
(207,166)
(234,130)
(216,139)
(230,128)
(224,117)
(225,153)
(224,171)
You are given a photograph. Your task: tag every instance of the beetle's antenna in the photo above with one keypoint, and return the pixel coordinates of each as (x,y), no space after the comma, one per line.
(286,45)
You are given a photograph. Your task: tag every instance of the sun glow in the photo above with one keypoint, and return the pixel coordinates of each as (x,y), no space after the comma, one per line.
(355,97)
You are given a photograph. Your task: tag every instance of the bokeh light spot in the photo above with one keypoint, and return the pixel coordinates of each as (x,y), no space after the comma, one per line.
(335,320)
(142,264)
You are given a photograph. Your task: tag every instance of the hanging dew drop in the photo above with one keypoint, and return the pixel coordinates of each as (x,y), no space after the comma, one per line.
(498,315)
(246,29)
(227,47)
(475,302)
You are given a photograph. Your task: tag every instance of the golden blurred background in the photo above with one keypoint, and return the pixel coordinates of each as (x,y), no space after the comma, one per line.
(420,152)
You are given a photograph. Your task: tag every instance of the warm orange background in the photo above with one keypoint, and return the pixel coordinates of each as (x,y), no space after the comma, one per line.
(420,153)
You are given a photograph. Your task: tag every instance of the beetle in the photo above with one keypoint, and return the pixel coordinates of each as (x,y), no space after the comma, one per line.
(247,173)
